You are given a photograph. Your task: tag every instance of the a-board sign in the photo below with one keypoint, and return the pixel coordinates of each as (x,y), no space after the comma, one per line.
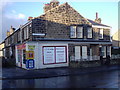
(30,64)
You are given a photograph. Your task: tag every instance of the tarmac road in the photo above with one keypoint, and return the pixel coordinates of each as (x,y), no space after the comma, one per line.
(100,79)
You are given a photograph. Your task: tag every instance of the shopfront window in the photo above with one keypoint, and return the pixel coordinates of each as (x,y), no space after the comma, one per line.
(19,55)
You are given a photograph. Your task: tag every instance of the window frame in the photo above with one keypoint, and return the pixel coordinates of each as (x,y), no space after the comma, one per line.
(103,51)
(77,53)
(83,51)
(109,50)
(71,32)
(101,35)
(80,32)
(91,31)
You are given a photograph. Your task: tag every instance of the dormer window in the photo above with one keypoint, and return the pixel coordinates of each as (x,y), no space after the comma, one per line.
(89,31)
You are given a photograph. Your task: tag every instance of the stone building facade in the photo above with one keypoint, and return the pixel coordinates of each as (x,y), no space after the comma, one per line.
(85,39)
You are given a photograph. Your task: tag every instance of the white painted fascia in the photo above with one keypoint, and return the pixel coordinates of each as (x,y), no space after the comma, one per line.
(26,24)
(104,27)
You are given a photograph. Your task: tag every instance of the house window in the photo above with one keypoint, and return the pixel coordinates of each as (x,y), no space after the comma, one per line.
(109,50)
(77,53)
(101,33)
(24,30)
(73,31)
(79,32)
(103,51)
(89,30)
(84,52)
(27,32)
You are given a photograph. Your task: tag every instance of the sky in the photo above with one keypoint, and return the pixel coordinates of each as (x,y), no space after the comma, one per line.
(16,13)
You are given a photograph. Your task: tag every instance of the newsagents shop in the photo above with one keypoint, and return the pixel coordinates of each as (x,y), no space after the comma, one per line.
(38,55)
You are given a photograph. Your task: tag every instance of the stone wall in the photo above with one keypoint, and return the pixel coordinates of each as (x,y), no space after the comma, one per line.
(59,19)
(38,26)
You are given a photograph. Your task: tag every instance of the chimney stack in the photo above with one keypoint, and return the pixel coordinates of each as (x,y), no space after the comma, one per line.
(98,20)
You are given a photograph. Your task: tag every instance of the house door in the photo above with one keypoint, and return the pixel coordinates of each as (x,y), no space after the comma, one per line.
(84,52)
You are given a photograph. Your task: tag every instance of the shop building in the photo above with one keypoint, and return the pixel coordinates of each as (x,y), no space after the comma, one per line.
(59,36)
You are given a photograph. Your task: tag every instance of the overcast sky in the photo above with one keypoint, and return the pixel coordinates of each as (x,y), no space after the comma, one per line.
(16,13)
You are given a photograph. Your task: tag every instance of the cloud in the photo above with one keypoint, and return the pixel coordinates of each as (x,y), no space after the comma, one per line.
(14,15)
(13,11)
(12,18)
(21,16)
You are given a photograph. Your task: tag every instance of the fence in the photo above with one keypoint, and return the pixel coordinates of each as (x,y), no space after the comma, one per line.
(115,56)
(93,61)
(92,58)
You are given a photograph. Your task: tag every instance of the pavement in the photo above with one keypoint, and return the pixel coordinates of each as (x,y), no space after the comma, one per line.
(19,73)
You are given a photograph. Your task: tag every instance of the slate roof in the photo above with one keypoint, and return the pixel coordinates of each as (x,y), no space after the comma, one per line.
(95,23)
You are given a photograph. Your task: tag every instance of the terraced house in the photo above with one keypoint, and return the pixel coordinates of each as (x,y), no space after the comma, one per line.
(57,37)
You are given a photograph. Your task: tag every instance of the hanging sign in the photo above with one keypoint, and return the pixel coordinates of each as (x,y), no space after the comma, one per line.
(29,54)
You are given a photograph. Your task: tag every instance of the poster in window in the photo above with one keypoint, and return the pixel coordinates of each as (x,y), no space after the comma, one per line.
(31,47)
(60,54)
(29,54)
(49,55)
(30,64)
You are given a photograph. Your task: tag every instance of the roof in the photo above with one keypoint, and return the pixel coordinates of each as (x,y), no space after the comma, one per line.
(54,1)
(95,23)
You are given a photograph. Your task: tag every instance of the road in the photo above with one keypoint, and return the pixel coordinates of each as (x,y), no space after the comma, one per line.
(110,79)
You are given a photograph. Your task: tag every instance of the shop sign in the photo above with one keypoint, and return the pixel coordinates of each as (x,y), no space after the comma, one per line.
(31,47)
(22,46)
(29,54)
(30,64)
